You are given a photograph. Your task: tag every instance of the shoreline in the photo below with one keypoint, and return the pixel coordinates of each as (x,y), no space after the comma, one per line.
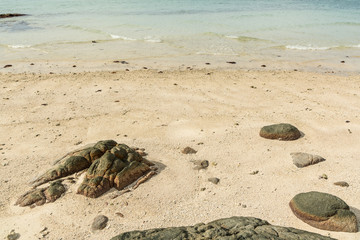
(218,114)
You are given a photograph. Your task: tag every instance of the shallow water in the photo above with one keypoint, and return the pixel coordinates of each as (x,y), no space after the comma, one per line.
(63,29)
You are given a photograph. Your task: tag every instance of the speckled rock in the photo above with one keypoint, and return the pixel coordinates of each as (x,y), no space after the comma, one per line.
(324,211)
(282,131)
(233,228)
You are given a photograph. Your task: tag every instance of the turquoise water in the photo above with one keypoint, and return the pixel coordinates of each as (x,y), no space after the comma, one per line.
(177,28)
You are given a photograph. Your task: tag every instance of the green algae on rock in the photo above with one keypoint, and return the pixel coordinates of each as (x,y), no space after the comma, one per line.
(224,229)
(109,165)
(41,196)
(282,131)
(324,211)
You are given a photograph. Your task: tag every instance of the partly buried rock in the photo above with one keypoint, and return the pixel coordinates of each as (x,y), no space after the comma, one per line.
(99,222)
(41,196)
(188,150)
(109,165)
(324,211)
(227,228)
(282,131)
(304,159)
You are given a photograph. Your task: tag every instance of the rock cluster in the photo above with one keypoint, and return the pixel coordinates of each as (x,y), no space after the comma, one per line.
(109,165)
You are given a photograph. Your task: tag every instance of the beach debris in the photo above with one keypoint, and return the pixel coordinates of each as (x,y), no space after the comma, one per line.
(282,131)
(99,222)
(10,15)
(8,65)
(341,184)
(13,235)
(323,176)
(188,150)
(231,62)
(301,159)
(254,172)
(108,165)
(200,164)
(226,228)
(263,65)
(214,180)
(207,63)
(37,197)
(324,211)
(342,62)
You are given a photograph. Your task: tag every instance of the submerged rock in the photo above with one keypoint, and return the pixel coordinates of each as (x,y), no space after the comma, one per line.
(324,211)
(304,159)
(227,229)
(10,15)
(282,131)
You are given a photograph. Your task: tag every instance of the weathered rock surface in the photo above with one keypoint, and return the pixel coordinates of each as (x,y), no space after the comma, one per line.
(282,131)
(324,211)
(304,159)
(40,196)
(99,222)
(233,228)
(109,165)
(9,15)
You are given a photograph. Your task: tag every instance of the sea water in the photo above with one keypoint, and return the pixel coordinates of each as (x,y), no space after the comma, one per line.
(149,29)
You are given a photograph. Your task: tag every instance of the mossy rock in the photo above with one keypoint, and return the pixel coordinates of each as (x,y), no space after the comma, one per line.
(324,211)
(224,229)
(282,131)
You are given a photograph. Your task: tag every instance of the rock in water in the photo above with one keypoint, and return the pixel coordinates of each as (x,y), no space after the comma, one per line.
(282,131)
(99,222)
(304,159)
(10,15)
(324,211)
(227,228)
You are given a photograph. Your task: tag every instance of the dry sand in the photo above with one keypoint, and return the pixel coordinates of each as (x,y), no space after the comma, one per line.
(44,116)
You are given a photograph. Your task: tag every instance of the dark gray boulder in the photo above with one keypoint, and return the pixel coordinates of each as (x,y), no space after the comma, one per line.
(233,228)
(282,131)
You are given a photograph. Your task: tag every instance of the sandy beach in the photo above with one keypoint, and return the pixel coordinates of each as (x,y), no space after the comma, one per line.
(219,113)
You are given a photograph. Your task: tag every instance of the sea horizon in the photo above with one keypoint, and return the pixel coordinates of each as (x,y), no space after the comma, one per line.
(295,32)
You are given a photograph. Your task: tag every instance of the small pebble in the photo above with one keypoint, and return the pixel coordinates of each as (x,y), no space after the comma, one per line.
(341,184)
(99,222)
(254,172)
(323,176)
(188,150)
(214,180)
(231,62)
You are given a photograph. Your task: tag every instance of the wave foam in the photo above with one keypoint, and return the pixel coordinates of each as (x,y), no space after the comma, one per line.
(113,36)
(19,46)
(301,47)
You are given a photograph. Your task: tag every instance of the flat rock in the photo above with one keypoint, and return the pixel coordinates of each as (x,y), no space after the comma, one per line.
(341,184)
(214,180)
(99,222)
(201,164)
(304,159)
(224,229)
(324,211)
(282,131)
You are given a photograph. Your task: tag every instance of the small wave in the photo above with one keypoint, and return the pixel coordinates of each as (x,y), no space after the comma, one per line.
(301,47)
(19,46)
(244,38)
(152,40)
(113,36)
